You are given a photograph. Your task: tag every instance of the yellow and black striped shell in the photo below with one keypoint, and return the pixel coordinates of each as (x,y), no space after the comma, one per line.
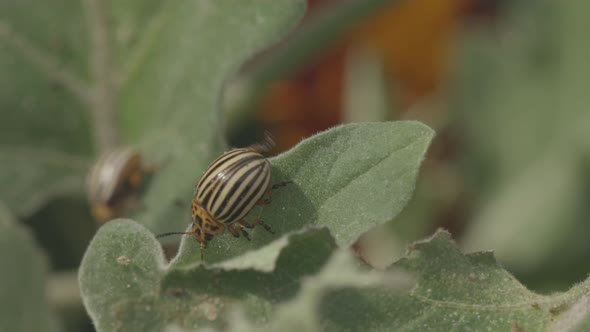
(226,192)
(233,184)
(112,180)
(228,189)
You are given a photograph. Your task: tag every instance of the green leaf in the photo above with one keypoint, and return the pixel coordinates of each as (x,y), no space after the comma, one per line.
(349,179)
(297,282)
(31,177)
(526,125)
(349,161)
(39,159)
(23,300)
(576,316)
(145,73)
(172,100)
(125,284)
(525,206)
(452,291)
(304,312)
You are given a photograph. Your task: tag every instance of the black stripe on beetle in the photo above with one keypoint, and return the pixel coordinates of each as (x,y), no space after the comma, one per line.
(243,206)
(229,178)
(239,188)
(212,173)
(210,185)
(215,166)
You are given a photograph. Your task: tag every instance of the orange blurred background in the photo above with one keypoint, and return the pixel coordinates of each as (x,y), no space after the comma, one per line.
(412,38)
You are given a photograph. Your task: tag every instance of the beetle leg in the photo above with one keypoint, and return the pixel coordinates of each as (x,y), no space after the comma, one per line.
(236,229)
(245,224)
(245,234)
(266,226)
(265,201)
(233,229)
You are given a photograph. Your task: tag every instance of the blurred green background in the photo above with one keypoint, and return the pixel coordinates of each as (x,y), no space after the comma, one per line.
(505,84)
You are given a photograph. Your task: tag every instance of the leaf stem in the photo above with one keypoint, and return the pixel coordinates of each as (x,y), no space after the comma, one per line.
(46,64)
(103,107)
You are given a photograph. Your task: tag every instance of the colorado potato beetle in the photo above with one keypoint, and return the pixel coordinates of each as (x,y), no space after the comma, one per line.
(112,182)
(228,189)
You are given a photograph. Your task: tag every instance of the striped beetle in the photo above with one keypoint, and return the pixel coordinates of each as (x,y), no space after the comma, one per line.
(113,180)
(228,189)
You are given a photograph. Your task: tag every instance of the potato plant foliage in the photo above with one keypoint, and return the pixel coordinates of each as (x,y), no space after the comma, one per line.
(151,74)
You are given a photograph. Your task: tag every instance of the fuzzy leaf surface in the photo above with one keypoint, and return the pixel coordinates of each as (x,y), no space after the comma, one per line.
(297,282)
(452,291)
(126,284)
(349,178)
